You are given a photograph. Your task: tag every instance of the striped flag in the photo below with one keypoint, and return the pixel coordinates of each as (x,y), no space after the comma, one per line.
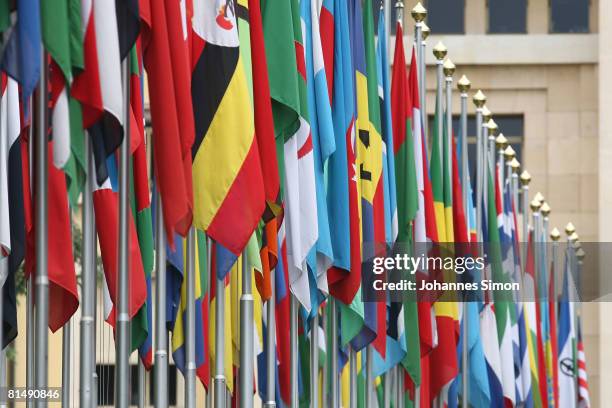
(567,338)
(583,382)
(12,222)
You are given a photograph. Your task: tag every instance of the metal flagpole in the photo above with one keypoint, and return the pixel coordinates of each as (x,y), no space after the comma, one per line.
(515,167)
(387,389)
(501,143)
(246,336)
(333,355)
(209,274)
(353,377)
(314,362)
(88,284)
(439,52)
(30,343)
(161,332)
(42,277)
(479,100)
(525,180)
(535,208)
(449,70)
(418,13)
(555,235)
(492,131)
(122,381)
(509,154)
(293,340)
(270,349)
(464,86)
(190,375)
(219,396)
(141,384)
(3,384)
(423,87)
(66,375)
(369,366)
(545,211)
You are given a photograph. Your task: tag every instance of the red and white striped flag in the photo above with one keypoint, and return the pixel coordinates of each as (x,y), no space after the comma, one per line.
(583,382)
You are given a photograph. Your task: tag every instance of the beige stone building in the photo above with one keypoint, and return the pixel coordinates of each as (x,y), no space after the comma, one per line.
(543,66)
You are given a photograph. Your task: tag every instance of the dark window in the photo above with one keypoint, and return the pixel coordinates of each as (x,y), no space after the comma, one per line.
(446,16)
(106,384)
(512,126)
(507,16)
(569,16)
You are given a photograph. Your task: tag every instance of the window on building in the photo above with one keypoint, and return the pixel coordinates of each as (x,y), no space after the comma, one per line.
(512,126)
(507,16)
(106,385)
(569,16)
(446,16)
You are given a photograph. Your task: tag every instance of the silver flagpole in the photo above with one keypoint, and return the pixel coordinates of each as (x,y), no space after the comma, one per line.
(333,354)
(88,284)
(449,70)
(42,277)
(190,376)
(423,86)
(387,389)
(464,86)
(486,117)
(369,366)
(219,396)
(122,381)
(545,211)
(141,384)
(293,341)
(555,235)
(66,375)
(525,180)
(535,208)
(353,377)
(3,383)
(326,363)
(479,100)
(515,167)
(314,361)
(418,13)
(270,349)
(30,343)
(508,157)
(501,143)
(246,336)
(210,275)
(161,332)
(492,131)
(439,52)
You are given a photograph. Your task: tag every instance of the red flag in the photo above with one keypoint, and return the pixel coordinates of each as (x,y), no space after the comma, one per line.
(63,294)
(169,75)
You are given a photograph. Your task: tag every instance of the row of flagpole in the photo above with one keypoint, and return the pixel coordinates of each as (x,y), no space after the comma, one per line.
(38,337)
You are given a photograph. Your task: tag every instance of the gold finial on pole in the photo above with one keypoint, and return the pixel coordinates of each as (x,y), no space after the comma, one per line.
(492,126)
(425,31)
(539,197)
(464,84)
(501,142)
(509,153)
(515,165)
(418,12)
(439,51)
(535,205)
(545,209)
(555,234)
(574,237)
(570,229)
(449,68)
(479,99)
(486,114)
(525,178)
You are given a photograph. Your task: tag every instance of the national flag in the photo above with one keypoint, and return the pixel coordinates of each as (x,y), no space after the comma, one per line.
(179,331)
(404,129)
(583,383)
(264,133)
(107,133)
(320,256)
(553,363)
(228,188)
(169,74)
(21,60)
(568,395)
(283,37)
(106,208)
(12,222)
(60,262)
(62,38)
